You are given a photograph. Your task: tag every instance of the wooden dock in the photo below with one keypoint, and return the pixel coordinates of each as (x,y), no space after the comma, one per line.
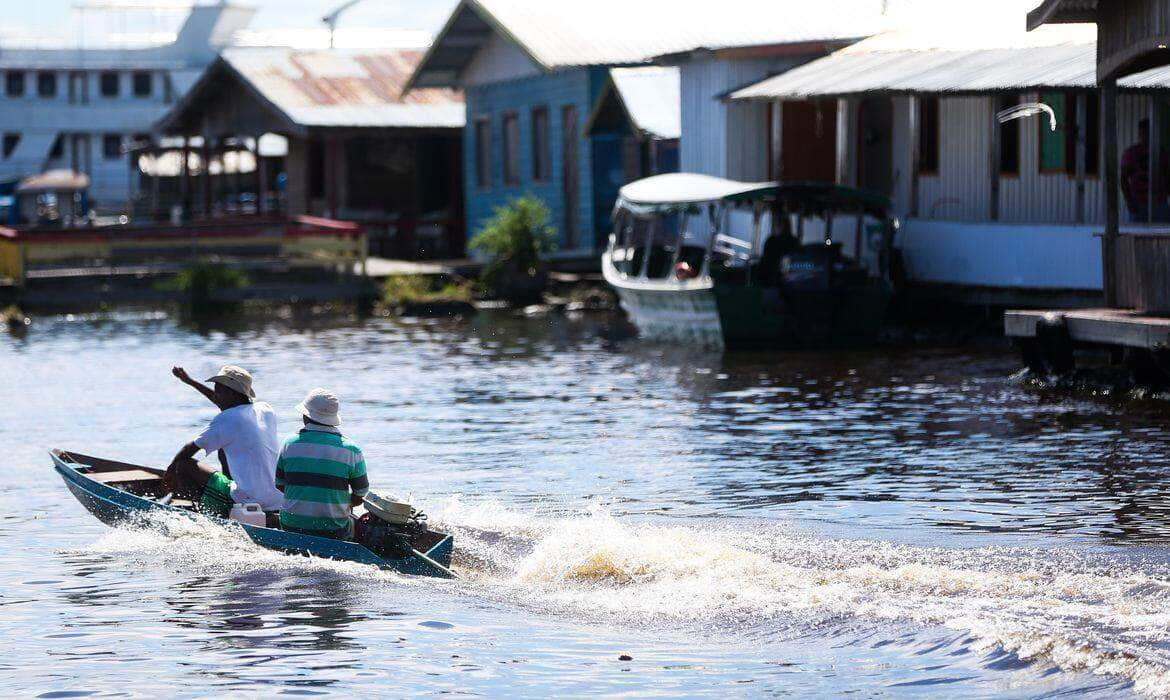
(1108,327)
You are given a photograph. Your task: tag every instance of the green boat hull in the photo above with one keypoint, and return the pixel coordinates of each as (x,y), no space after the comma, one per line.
(760,316)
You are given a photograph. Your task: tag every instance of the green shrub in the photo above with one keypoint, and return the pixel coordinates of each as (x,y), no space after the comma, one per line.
(518,236)
(203,282)
(398,290)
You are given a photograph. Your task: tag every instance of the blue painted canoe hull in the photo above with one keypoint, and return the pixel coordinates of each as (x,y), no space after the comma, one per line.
(114,506)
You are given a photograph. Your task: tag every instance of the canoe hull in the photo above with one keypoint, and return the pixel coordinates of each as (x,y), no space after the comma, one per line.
(116,507)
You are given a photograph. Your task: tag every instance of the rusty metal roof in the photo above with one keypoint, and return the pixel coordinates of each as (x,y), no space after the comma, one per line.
(932,60)
(344,88)
(555,35)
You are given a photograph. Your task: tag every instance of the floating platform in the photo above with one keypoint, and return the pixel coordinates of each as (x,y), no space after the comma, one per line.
(1109,327)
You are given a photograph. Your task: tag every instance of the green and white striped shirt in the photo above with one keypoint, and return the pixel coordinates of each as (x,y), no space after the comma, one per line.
(317,469)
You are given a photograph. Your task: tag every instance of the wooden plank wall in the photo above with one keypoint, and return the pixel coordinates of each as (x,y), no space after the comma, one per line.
(1131,34)
(1142,262)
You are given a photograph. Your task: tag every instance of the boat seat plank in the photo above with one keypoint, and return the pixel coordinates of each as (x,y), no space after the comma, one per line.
(123,476)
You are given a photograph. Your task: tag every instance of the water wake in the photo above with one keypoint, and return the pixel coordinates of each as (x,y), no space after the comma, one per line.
(1078,612)
(1100,614)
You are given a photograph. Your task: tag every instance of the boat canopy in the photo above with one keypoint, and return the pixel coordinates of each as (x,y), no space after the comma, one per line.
(682,191)
(820,197)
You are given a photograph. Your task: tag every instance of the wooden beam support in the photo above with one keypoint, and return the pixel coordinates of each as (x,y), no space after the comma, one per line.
(205,181)
(1112,213)
(331,168)
(1082,154)
(915,140)
(842,174)
(261,180)
(994,163)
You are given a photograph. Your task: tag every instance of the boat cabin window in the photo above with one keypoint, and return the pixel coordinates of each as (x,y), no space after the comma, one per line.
(854,236)
(653,246)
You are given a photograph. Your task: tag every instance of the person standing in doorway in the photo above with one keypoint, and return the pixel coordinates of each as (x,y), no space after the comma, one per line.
(1135,179)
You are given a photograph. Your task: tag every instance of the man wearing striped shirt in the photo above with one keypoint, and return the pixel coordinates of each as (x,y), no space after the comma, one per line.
(322,473)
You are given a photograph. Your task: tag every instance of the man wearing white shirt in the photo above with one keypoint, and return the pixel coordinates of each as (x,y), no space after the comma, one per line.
(245,435)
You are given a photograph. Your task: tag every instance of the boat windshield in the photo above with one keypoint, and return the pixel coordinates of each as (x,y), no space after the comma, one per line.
(677,226)
(751,235)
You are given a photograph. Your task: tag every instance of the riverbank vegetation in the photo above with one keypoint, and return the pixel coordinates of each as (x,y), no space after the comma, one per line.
(517,240)
(427,295)
(13,318)
(207,285)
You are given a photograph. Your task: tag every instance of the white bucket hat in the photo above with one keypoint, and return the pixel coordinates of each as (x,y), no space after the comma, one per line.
(236,378)
(321,405)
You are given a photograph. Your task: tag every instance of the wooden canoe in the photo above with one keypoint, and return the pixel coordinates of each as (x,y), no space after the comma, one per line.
(116,492)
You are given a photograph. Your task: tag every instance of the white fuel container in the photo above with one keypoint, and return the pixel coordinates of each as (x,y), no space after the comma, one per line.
(249,514)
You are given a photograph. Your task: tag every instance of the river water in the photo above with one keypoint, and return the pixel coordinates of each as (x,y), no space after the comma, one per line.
(895,522)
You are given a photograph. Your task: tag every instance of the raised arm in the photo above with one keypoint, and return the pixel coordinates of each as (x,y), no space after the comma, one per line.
(182,376)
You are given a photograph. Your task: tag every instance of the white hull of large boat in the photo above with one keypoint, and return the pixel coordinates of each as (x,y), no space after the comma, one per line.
(669,310)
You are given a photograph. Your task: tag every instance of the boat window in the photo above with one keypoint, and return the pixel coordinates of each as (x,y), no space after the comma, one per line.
(58,148)
(638,230)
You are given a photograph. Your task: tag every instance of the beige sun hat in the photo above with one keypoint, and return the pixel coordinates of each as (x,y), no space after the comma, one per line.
(236,378)
(321,405)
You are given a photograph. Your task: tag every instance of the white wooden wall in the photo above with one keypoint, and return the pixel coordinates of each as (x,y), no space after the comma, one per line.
(718,138)
(962,189)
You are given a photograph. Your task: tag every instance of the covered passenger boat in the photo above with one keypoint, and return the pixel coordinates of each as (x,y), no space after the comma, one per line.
(117,493)
(718,263)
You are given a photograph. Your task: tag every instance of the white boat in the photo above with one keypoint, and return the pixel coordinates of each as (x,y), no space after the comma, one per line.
(713,262)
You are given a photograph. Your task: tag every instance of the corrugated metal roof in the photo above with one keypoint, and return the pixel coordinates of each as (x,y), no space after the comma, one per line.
(616,32)
(651,98)
(931,60)
(335,88)
(603,32)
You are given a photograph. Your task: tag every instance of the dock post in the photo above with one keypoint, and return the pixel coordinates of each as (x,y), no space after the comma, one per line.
(1112,214)
(261,180)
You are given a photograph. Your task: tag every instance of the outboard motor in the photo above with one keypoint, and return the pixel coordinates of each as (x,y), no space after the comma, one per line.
(389,527)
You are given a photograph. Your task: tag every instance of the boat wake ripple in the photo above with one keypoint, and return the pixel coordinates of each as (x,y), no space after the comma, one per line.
(1089,613)
(1099,613)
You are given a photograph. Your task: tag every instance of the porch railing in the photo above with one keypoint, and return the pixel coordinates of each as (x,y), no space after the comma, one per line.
(299,243)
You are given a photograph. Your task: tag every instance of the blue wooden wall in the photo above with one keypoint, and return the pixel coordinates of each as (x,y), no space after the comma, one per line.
(578,87)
